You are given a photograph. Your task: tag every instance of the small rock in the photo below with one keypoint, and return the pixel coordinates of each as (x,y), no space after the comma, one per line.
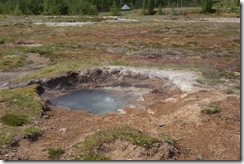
(198,157)
(169,100)
(121,111)
(132,106)
(161,125)
(46,116)
(142,107)
(183,95)
(140,99)
(5,84)
(150,111)
(62,130)
(236,73)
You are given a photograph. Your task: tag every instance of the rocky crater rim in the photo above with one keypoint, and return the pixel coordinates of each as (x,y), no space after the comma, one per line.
(121,76)
(142,86)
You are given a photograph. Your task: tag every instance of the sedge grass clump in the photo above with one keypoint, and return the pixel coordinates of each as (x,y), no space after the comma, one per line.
(55,153)
(167,138)
(12,62)
(32,134)
(212,108)
(5,40)
(4,141)
(229,90)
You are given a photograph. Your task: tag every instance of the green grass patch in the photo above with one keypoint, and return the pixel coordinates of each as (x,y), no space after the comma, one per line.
(55,153)
(11,62)
(5,141)
(63,67)
(19,107)
(14,119)
(43,50)
(211,108)
(32,133)
(53,70)
(167,138)
(213,76)
(7,134)
(21,100)
(6,40)
(230,90)
(92,145)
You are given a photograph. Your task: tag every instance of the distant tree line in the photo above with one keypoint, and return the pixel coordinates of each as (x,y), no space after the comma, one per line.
(62,7)
(91,7)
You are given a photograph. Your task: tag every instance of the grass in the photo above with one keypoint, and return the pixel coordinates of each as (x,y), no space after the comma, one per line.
(6,40)
(213,75)
(55,70)
(21,100)
(32,133)
(55,153)
(167,138)
(19,106)
(61,44)
(5,141)
(43,50)
(7,134)
(230,90)
(212,108)
(91,148)
(14,119)
(12,62)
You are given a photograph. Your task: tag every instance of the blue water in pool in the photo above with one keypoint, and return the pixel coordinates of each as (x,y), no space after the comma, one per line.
(95,101)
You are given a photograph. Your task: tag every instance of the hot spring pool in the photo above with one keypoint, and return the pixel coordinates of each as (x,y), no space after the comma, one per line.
(94,101)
